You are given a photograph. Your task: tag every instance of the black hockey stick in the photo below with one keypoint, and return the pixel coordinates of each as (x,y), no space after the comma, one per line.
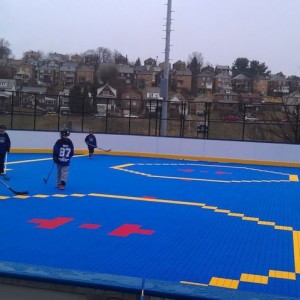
(12,190)
(46,179)
(105,150)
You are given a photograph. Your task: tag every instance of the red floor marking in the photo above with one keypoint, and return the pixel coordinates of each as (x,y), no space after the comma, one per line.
(51,224)
(149,197)
(221,172)
(89,226)
(127,229)
(186,170)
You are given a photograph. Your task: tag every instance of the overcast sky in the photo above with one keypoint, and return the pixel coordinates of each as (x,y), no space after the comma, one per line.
(222,30)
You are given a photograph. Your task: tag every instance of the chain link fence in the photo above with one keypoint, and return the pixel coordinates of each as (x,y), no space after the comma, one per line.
(264,122)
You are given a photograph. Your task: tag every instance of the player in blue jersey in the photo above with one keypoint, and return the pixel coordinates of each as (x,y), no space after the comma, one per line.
(63,151)
(91,143)
(4,147)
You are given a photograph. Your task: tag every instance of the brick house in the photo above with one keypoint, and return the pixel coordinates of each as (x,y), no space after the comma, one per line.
(204,81)
(48,74)
(260,85)
(182,80)
(241,83)
(278,85)
(144,78)
(131,101)
(222,83)
(85,74)
(125,75)
(67,75)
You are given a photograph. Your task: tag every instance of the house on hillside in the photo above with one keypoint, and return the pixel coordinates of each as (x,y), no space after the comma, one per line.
(77,58)
(294,83)
(177,106)
(144,78)
(8,85)
(222,83)
(125,75)
(226,101)
(182,80)
(278,85)
(222,69)
(48,74)
(24,74)
(152,99)
(150,62)
(260,85)
(132,102)
(8,88)
(85,74)
(204,81)
(179,65)
(33,97)
(241,84)
(67,74)
(105,100)
(292,101)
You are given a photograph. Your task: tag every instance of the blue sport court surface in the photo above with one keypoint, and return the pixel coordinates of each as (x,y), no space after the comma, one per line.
(178,227)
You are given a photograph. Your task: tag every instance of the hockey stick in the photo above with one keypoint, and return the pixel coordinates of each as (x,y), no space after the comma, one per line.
(46,179)
(15,192)
(105,150)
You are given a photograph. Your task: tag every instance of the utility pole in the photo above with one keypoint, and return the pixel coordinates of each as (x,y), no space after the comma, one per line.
(164,90)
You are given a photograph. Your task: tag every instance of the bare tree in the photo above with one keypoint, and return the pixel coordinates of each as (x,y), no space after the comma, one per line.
(107,73)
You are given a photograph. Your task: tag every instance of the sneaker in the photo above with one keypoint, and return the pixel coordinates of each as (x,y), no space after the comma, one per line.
(60,187)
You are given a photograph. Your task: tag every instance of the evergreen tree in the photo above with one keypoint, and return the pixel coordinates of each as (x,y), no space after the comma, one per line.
(5,51)
(76,100)
(138,63)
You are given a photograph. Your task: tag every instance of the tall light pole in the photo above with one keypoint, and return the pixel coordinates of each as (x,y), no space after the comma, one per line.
(164,91)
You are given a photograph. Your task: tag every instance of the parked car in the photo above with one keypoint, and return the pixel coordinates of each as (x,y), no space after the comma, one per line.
(250,118)
(130,116)
(231,118)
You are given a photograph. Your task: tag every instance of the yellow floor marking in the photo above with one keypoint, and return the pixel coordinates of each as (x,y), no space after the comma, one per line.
(210,207)
(266,223)
(41,196)
(60,195)
(294,178)
(147,199)
(288,228)
(235,215)
(122,166)
(282,274)
(197,204)
(254,278)
(223,282)
(4,197)
(226,211)
(21,196)
(193,283)
(296,242)
(250,219)
(77,195)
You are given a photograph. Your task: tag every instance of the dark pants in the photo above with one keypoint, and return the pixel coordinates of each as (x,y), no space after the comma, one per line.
(2,159)
(91,150)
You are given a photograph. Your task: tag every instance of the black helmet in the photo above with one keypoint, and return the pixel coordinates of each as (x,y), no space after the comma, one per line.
(64,132)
